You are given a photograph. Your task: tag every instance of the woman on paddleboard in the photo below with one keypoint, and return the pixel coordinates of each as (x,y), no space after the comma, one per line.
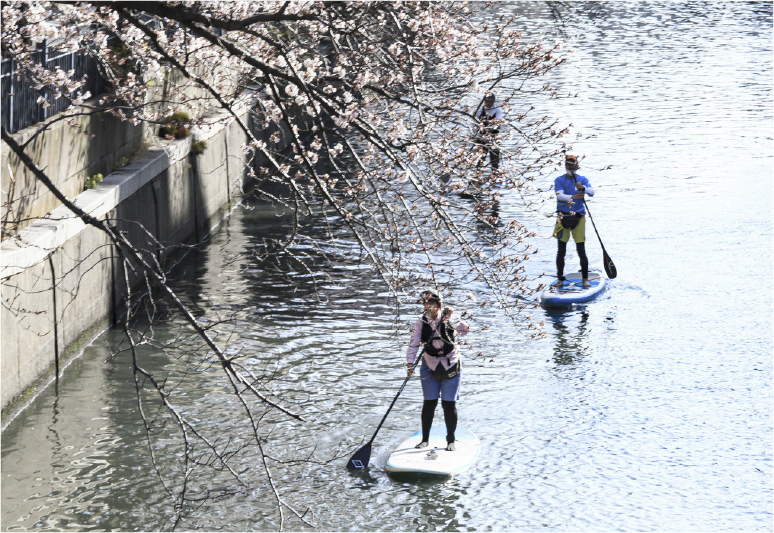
(437,330)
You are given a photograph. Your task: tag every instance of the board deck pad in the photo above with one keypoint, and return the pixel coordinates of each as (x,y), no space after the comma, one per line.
(572,290)
(435,460)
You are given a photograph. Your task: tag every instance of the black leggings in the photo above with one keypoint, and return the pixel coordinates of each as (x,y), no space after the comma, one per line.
(562,250)
(494,156)
(449,416)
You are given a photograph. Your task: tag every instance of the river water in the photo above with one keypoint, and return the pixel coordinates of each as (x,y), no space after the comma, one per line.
(648,409)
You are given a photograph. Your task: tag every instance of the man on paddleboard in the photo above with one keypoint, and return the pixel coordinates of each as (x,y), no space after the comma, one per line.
(437,329)
(570,189)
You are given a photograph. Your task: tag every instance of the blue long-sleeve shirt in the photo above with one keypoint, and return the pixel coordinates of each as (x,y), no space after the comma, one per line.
(565,189)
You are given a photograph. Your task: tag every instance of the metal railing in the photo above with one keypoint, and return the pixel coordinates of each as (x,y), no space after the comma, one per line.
(19,100)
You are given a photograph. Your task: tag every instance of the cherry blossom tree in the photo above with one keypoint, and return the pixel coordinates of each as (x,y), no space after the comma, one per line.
(377,101)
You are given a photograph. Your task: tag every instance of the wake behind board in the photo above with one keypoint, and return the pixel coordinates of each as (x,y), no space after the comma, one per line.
(572,290)
(434,460)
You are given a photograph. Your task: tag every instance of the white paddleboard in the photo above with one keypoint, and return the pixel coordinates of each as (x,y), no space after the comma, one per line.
(572,290)
(435,460)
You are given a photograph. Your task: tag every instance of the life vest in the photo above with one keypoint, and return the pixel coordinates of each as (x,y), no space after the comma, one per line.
(446,333)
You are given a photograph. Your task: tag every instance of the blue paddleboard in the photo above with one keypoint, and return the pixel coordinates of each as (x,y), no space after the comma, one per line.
(572,290)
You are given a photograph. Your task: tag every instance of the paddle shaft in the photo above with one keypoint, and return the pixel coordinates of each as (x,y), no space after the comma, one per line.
(610,269)
(593,225)
(420,355)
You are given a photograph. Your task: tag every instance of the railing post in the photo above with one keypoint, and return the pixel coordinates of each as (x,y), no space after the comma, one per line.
(46,91)
(12,97)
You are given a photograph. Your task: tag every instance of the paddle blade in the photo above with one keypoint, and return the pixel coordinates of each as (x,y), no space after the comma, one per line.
(360,460)
(609,266)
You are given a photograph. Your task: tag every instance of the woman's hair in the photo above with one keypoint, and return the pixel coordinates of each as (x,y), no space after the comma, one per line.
(432,296)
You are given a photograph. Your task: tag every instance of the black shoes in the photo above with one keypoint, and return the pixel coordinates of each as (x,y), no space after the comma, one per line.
(449,446)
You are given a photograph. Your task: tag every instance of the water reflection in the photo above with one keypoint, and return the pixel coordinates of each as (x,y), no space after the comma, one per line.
(436,503)
(368,481)
(570,335)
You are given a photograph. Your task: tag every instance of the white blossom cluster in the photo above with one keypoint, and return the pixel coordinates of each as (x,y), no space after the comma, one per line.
(382,95)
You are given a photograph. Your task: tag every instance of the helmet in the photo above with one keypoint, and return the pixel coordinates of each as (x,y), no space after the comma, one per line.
(431,296)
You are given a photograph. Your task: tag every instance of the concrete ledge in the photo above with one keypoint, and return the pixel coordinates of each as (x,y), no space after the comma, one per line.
(34,243)
(69,154)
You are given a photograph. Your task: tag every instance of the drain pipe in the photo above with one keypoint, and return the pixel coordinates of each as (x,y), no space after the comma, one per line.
(56,331)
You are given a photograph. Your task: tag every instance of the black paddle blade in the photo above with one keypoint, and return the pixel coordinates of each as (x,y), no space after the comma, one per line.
(609,266)
(360,460)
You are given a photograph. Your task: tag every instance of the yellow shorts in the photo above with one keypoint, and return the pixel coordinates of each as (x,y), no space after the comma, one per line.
(578,234)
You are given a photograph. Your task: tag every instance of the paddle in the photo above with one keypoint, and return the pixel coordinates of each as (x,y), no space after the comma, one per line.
(609,266)
(363,455)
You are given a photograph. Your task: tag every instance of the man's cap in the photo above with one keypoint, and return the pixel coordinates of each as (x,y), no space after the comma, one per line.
(489,95)
(571,161)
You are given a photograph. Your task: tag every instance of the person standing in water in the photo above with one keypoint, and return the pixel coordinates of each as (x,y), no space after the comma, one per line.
(490,116)
(437,330)
(570,189)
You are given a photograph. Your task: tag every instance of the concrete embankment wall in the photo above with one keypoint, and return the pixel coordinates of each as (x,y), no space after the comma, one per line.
(62,281)
(69,154)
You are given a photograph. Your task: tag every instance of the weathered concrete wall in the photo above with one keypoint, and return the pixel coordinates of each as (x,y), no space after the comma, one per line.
(74,149)
(69,155)
(61,279)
